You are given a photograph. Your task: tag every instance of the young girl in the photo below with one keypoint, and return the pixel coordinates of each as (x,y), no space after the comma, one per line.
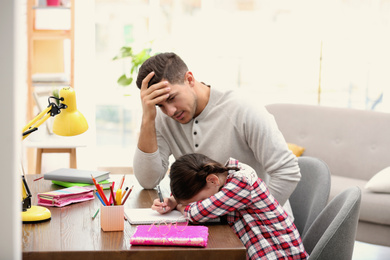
(205,189)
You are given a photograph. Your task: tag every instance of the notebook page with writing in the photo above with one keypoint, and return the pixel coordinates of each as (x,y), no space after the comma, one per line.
(141,216)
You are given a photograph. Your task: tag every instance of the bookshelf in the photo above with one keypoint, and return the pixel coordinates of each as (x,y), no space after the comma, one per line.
(49,64)
(50,51)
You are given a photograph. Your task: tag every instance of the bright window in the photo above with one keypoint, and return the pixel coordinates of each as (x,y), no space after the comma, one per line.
(271,48)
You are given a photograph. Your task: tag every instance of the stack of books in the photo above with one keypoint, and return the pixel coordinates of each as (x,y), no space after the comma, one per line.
(68,177)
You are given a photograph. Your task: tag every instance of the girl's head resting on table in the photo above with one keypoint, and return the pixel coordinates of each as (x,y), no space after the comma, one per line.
(196,177)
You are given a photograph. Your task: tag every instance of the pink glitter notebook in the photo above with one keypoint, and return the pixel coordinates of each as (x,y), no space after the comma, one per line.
(190,236)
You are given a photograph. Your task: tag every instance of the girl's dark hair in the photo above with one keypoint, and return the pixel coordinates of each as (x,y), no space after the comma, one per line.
(188,174)
(166,66)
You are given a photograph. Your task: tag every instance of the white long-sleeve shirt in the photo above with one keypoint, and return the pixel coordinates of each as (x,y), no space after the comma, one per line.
(229,126)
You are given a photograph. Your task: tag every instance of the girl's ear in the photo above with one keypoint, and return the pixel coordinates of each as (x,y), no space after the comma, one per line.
(212,179)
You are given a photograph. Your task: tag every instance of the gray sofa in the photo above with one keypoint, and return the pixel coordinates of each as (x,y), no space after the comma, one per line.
(355,144)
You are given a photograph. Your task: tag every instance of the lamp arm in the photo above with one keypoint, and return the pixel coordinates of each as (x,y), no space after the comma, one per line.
(26,195)
(36,122)
(51,110)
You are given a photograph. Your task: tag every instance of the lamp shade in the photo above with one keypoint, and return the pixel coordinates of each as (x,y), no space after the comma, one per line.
(70,121)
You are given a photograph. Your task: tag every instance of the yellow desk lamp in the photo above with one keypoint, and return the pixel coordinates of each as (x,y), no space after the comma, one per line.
(69,122)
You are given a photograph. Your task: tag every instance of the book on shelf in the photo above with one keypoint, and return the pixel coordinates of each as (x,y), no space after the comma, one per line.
(76,175)
(106,184)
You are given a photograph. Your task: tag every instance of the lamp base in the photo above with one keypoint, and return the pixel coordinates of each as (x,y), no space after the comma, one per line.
(36,214)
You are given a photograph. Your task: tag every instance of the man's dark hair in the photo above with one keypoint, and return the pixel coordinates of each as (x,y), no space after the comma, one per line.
(166,66)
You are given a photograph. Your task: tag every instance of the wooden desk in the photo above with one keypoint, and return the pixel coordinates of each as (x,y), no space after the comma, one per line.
(72,234)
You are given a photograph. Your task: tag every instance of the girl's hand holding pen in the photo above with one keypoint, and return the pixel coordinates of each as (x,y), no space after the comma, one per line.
(159,206)
(162,205)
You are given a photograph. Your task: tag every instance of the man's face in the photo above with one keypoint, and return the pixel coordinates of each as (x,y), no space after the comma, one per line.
(181,103)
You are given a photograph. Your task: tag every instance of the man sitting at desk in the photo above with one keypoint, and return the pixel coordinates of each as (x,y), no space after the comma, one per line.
(196,118)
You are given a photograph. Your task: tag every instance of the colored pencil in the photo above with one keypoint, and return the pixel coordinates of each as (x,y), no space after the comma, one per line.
(127,195)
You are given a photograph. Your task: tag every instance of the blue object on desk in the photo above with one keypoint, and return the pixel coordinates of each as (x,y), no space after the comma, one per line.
(100,198)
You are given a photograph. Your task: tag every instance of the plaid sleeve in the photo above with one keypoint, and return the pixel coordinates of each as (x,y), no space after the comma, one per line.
(234,195)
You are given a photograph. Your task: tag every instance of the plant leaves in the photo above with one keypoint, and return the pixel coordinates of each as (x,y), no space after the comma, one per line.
(125,81)
(124,53)
(136,61)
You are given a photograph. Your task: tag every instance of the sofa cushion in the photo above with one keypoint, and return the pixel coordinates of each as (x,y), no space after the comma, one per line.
(380,182)
(296,149)
(374,207)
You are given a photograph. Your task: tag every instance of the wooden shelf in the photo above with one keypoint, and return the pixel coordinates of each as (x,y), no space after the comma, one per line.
(35,37)
(51,84)
(50,7)
(51,35)
(50,50)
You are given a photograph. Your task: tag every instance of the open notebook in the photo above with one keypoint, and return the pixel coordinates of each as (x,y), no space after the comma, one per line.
(140,216)
(145,216)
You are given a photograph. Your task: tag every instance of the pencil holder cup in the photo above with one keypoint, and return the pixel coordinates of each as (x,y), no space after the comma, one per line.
(112,218)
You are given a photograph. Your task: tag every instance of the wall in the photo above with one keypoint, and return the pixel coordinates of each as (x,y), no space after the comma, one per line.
(10,226)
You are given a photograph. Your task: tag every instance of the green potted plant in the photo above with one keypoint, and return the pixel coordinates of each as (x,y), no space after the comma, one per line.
(136,61)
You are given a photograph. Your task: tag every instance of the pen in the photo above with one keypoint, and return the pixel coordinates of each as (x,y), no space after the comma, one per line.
(127,195)
(160,195)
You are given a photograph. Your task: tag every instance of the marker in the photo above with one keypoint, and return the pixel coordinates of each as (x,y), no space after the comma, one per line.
(118,197)
(160,195)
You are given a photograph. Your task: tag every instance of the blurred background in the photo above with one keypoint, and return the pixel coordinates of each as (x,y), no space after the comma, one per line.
(320,52)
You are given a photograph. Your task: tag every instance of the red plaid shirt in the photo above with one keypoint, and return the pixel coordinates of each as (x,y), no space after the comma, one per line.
(255,216)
